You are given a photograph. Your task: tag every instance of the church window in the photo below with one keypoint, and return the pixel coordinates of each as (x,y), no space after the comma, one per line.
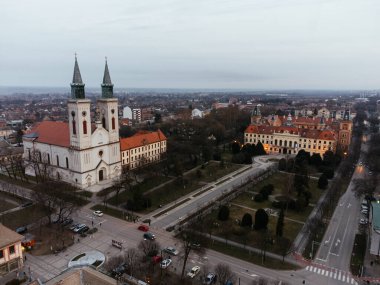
(29,154)
(74,128)
(104,122)
(40,156)
(48,155)
(113,123)
(57,160)
(67,162)
(85,127)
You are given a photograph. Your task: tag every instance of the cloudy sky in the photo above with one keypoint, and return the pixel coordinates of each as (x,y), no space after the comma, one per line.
(250,44)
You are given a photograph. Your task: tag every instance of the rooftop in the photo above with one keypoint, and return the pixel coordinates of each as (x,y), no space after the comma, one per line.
(8,237)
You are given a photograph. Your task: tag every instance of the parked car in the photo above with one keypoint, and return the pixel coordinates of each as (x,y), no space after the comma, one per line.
(363,221)
(67,221)
(120,270)
(79,227)
(165,263)
(73,226)
(194,271)
(171,250)
(156,259)
(149,236)
(210,278)
(21,230)
(83,230)
(143,228)
(98,213)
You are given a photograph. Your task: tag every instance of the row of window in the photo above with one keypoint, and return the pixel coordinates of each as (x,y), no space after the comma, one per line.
(84,125)
(300,140)
(47,158)
(11,251)
(291,143)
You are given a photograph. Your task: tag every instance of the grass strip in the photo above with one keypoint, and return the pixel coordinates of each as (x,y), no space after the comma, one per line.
(171,208)
(358,253)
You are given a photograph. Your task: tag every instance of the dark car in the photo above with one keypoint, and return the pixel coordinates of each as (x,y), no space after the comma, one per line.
(67,221)
(21,230)
(120,270)
(149,236)
(83,230)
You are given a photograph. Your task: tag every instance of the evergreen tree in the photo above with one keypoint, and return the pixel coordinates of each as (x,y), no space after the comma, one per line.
(246,220)
(224,213)
(323,182)
(259,150)
(261,219)
(280,223)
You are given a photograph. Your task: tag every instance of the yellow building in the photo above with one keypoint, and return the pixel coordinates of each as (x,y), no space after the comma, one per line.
(10,250)
(142,148)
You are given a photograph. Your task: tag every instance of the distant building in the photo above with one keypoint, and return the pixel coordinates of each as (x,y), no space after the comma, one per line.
(289,134)
(196,114)
(10,250)
(127,113)
(136,115)
(142,148)
(375,229)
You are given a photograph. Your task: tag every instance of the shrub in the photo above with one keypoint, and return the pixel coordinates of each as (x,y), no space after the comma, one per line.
(259,198)
(323,182)
(261,219)
(224,213)
(13,282)
(246,220)
(329,172)
(266,191)
(282,164)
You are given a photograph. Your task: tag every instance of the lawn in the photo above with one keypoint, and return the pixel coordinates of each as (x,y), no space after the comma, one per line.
(23,217)
(231,230)
(5,206)
(246,255)
(213,171)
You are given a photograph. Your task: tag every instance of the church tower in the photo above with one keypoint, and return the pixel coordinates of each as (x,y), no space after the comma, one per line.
(256,115)
(79,113)
(107,106)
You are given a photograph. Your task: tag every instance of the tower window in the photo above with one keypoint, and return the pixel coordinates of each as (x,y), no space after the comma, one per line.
(104,122)
(67,162)
(74,128)
(57,160)
(48,159)
(85,127)
(113,123)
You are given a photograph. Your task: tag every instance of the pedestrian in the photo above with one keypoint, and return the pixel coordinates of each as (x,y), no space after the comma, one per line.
(24,257)
(100,224)
(92,222)
(78,240)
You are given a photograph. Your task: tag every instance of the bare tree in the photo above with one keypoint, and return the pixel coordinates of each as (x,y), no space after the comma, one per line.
(131,257)
(224,273)
(149,247)
(113,262)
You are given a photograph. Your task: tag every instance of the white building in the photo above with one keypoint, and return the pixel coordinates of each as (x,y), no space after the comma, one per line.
(78,152)
(127,113)
(196,114)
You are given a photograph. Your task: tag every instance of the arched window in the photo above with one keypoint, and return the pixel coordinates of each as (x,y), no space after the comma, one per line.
(67,162)
(85,127)
(48,159)
(74,128)
(57,160)
(113,123)
(104,122)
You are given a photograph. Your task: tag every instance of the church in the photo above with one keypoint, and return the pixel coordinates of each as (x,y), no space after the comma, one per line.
(79,152)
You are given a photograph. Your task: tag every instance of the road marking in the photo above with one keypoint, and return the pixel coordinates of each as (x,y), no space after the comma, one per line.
(322,272)
(315,269)
(335,275)
(327,273)
(343,278)
(331,274)
(339,275)
(319,271)
(307,267)
(341,204)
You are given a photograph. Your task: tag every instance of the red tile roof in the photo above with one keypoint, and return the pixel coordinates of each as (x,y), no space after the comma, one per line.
(140,139)
(52,132)
(305,133)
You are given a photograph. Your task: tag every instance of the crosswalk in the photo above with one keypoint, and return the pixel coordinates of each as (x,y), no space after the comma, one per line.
(333,273)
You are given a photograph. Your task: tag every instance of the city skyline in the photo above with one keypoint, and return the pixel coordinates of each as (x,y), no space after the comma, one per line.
(199,45)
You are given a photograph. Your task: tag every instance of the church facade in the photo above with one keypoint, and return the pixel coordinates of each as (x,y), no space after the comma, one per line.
(78,151)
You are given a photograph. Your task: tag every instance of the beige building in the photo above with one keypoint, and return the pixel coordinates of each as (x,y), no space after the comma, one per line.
(288,135)
(142,148)
(10,250)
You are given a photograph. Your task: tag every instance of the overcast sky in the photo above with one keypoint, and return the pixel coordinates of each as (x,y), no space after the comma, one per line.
(254,44)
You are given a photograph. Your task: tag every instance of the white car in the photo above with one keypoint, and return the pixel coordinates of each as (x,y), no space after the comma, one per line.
(194,271)
(171,250)
(98,213)
(363,221)
(165,263)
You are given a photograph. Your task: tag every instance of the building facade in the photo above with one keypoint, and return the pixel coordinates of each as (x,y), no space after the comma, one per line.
(288,135)
(78,151)
(11,257)
(142,148)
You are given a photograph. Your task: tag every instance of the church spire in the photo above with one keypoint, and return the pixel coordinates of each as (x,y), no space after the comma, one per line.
(107,86)
(77,86)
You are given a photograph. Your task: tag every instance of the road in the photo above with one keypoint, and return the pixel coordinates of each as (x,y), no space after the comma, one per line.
(218,189)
